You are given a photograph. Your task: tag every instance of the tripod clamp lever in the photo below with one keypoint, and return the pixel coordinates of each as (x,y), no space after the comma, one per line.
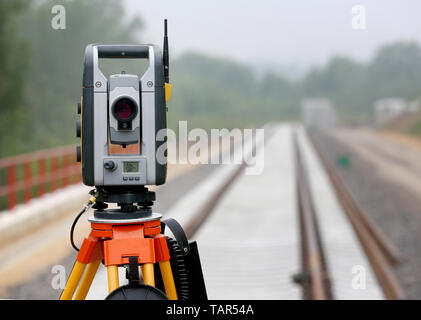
(178,232)
(132,273)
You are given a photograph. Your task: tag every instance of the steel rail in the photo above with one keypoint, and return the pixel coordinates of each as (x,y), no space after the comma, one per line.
(316,282)
(379,251)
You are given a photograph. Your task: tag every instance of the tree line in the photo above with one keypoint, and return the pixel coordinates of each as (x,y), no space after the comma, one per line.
(41,76)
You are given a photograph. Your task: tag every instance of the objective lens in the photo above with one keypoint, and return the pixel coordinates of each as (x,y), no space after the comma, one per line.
(124,109)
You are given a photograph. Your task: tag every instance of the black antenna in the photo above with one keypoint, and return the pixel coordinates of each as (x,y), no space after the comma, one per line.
(165,58)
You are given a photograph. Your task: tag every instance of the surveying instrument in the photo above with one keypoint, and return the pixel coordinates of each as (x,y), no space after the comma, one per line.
(123,149)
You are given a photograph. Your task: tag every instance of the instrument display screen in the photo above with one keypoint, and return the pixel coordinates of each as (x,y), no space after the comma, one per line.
(130,166)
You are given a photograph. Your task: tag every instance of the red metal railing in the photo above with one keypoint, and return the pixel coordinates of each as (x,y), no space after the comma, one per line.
(33,174)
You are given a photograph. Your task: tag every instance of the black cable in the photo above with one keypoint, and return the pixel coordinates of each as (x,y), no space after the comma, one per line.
(72,229)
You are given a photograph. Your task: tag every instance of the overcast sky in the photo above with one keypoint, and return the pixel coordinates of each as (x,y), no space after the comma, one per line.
(289,32)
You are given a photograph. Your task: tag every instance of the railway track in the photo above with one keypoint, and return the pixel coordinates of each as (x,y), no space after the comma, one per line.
(314,276)
(317,282)
(380,252)
(235,240)
(389,191)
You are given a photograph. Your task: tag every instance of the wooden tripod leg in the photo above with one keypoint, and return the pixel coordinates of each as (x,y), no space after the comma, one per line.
(87,279)
(83,258)
(113,283)
(148,274)
(168,279)
(163,257)
(73,281)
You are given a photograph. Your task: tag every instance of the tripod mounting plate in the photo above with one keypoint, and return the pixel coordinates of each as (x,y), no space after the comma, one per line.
(127,218)
(125,195)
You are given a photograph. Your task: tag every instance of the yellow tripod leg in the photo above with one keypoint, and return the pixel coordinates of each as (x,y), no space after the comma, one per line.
(148,274)
(73,281)
(168,279)
(87,279)
(112,272)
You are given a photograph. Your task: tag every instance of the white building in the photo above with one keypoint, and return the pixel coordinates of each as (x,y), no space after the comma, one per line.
(390,108)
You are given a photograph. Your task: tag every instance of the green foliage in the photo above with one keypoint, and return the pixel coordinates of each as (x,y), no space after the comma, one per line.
(220,93)
(56,62)
(13,65)
(210,92)
(394,71)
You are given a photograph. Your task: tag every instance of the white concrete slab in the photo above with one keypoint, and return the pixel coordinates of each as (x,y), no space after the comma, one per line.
(249,245)
(38,211)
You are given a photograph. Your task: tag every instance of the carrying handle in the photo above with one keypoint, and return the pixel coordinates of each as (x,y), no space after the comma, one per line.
(123,51)
(109,51)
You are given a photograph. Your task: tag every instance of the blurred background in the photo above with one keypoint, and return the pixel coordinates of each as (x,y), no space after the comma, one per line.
(260,61)
(353,67)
